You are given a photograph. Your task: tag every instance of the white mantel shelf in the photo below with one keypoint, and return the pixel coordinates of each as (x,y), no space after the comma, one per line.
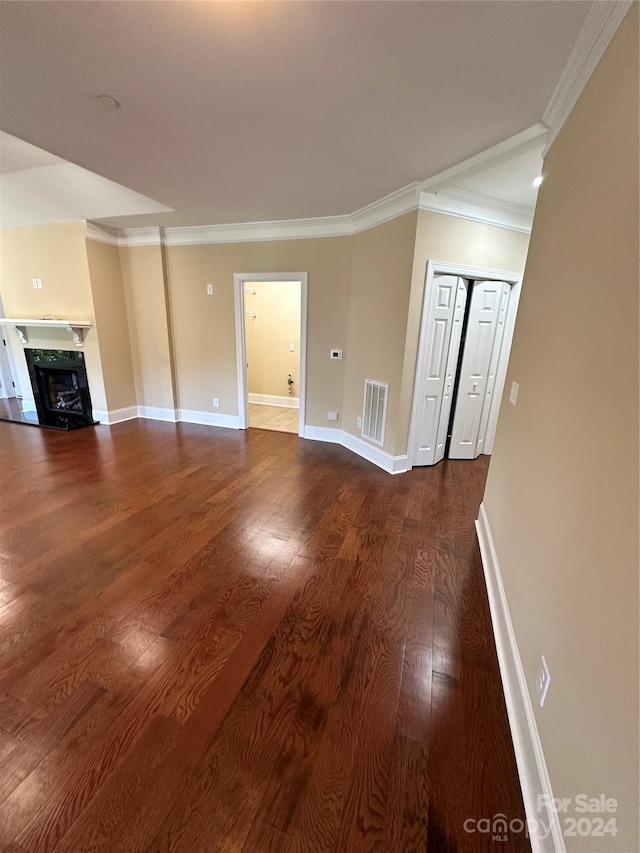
(76,328)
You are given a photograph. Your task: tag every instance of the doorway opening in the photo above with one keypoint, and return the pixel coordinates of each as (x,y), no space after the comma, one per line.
(9,380)
(271,325)
(466,332)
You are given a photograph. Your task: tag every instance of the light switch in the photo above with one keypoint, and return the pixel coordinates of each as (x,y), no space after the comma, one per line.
(209,290)
(292,347)
(513,394)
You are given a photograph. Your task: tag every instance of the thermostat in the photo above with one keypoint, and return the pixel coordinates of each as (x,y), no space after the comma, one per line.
(335,354)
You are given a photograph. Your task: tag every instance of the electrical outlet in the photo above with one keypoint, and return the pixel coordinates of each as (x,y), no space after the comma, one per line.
(359,422)
(34,281)
(542,681)
(513,394)
(332,416)
(209,290)
(216,402)
(292,347)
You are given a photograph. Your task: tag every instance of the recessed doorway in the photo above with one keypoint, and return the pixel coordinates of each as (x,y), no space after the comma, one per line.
(271,350)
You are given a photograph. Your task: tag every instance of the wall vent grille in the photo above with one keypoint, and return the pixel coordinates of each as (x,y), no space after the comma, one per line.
(374,414)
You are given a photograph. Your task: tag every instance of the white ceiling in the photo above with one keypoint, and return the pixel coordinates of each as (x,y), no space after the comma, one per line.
(249,111)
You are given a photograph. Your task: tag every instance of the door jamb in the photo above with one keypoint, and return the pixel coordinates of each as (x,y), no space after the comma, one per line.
(239,281)
(471,272)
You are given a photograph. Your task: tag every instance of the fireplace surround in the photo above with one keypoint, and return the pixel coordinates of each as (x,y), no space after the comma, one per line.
(60,390)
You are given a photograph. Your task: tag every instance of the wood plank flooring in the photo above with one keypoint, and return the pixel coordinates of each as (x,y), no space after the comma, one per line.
(224,641)
(277,418)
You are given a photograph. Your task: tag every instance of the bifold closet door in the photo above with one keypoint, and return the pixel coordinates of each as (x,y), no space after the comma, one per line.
(445,313)
(485,330)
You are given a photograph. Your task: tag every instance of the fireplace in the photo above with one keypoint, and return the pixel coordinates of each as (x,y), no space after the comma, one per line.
(60,389)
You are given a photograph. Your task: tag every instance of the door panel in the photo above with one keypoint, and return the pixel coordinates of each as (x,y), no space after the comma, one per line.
(431,374)
(493,367)
(477,366)
(450,374)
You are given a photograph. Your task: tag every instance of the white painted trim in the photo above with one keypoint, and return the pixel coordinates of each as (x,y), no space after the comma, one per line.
(239,281)
(29,405)
(154,413)
(465,204)
(331,435)
(152,236)
(464,271)
(192,416)
(600,25)
(532,767)
(115,416)
(390,464)
(100,233)
(524,141)
(384,209)
(404,200)
(274,400)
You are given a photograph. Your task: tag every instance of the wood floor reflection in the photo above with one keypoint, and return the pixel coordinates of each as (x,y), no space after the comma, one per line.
(224,641)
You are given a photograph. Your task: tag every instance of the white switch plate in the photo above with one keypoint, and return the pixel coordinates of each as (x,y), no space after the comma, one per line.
(332,416)
(40,284)
(216,402)
(335,354)
(359,422)
(513,394)
(542,681)
(209,290)
(292,347)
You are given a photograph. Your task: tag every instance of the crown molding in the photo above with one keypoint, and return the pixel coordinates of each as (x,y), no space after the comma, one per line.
(252,232)
(598,29)
(524,141)
(395,204)
(478,208)
(151,236)
(100,233)
(391,206)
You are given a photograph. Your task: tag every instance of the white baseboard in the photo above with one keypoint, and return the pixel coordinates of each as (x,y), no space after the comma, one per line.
(390,464)
(544,825)
(28,405)
(154,413)
(115,416)
(191,416)
(271,400)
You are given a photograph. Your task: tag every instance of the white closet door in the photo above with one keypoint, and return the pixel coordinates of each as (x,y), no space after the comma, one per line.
(493,368)
(484,318)
(432,370)
(452,364)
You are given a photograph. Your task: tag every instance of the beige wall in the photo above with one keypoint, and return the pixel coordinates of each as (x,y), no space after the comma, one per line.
(562,493)
(269,359)
(448,239)
(111,324)
(378,306)
(203,327)
(143,278)
(57,255)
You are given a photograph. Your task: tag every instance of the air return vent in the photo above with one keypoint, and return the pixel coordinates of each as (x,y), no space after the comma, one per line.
(375,411)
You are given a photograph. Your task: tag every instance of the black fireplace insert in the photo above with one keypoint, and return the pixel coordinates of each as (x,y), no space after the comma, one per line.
(60,388)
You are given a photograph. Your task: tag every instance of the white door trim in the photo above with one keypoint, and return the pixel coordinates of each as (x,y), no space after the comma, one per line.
(464,271)
(9,379)
(239,281)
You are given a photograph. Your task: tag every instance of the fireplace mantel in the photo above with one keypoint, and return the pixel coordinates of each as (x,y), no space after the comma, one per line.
(76,328)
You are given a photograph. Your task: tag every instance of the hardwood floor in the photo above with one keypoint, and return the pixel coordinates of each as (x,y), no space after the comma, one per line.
(224,641)
(277,418)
